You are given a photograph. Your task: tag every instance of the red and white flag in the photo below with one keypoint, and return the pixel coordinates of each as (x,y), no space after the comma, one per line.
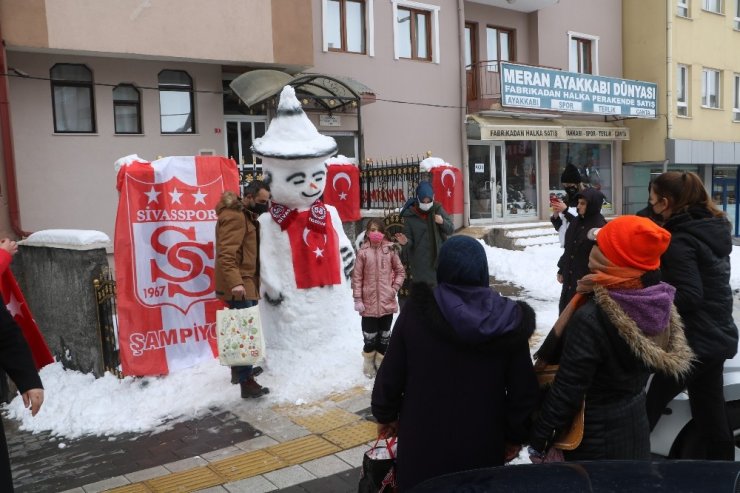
(447,184)
(18,308)
(164,256)
(343,190)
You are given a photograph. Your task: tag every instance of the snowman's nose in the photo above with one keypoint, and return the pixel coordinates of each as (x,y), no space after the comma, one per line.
(314,186)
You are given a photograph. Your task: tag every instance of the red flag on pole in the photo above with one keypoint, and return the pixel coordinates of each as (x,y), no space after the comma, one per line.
(447,184)
(18,308)
(343,190)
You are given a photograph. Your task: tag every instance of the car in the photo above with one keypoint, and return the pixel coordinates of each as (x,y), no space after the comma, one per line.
(593,476)
(676,435)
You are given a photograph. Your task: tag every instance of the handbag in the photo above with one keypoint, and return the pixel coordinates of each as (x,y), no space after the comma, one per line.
(570,438)
(239,336)
(378,473)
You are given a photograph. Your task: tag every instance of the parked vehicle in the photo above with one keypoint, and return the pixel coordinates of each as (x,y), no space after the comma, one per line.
(593,476)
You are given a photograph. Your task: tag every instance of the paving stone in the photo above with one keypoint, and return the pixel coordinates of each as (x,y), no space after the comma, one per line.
(326,466)
(257,484)
(74,490)
(256,443)
(185,464)
(215,489)
(222,453)
(329,484)
(145,474)
(289,476)
(105,484)
(353,456)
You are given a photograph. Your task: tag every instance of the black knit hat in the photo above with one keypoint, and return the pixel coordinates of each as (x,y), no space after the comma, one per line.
(570,175)
(462,261)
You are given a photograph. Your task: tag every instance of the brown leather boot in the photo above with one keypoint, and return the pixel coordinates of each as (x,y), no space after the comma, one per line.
(256,371)
(251,389)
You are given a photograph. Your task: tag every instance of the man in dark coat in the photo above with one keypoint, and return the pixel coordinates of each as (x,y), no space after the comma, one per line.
(457,383)
(564,211)
(573,264)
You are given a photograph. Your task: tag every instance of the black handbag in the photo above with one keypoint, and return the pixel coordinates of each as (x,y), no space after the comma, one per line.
(378,474)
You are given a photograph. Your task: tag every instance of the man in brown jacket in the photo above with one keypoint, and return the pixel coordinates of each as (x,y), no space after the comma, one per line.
(237,264)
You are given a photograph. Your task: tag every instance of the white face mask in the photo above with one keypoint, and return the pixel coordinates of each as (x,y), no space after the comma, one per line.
(425,207)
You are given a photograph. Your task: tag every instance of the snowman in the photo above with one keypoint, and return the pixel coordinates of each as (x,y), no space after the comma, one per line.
(305,256)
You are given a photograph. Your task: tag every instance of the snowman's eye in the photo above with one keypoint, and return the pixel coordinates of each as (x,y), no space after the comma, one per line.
(297,178)
(318,176)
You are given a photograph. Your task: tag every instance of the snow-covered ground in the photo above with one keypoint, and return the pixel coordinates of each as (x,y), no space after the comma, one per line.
(77,404)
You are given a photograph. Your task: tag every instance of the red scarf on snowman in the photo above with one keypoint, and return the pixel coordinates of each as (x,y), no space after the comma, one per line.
(314,245)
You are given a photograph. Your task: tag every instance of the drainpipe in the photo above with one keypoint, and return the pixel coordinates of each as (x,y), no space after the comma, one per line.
(669,68)
(463,111)
(7,142)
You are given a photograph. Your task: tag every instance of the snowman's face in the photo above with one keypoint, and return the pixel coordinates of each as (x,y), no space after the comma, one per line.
(296,184)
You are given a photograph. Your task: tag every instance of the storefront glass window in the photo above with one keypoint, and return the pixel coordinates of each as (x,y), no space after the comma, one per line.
(521,179)
(594,162)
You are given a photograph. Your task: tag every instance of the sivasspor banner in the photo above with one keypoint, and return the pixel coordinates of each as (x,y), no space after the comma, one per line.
(447,184)
(164,257)
(343,190)
(18,309)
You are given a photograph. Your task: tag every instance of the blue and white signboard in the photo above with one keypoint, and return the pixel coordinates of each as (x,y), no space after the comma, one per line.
(546,89)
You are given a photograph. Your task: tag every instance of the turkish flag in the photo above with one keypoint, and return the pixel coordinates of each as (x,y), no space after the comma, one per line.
(18,309)
(343,190)
(447,184)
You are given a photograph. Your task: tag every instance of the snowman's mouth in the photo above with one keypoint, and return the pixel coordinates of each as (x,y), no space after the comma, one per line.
(313,195)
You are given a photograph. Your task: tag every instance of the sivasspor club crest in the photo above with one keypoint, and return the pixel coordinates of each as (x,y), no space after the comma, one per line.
(171,225)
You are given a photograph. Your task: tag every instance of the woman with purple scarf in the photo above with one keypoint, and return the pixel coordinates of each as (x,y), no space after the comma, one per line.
(620,326)
(457,384)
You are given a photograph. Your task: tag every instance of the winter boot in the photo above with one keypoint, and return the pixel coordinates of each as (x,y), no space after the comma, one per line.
(378,360)
(256,371)
(368,366)
(251,389)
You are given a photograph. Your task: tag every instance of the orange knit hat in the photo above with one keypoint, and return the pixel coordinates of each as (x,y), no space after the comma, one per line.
(633,241)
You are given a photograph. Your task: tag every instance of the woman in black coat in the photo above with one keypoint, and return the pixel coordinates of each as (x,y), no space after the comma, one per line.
(619,328)
(697,263)
(457,383)
(573,264)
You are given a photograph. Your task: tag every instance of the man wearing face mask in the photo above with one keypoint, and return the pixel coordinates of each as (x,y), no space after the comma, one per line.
(564,211)
(237,264)
(426,226)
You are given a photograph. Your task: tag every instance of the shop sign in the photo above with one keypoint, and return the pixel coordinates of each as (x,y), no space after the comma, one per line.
(521,132)
(597,133)
(330,121)
(546,89)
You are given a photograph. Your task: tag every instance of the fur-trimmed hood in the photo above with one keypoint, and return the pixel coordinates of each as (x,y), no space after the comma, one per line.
(667,352)
(229,200)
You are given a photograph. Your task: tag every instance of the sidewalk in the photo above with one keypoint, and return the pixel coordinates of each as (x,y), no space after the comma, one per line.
(255,448)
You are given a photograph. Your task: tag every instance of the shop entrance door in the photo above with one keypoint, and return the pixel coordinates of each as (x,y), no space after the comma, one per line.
(485,165)
(240,134)
(724,193)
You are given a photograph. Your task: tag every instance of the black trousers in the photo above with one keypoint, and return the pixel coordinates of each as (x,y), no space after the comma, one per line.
(376,332)
(707,401)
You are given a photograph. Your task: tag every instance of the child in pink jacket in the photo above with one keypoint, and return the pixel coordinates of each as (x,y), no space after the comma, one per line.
(377,277)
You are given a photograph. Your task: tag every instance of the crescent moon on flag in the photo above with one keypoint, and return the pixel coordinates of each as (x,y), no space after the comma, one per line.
(341,176)
(305,237)
(446,173)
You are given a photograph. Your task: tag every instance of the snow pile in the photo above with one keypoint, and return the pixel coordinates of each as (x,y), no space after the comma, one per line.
(66,237)
(432,162)
(341,159)
(126,160)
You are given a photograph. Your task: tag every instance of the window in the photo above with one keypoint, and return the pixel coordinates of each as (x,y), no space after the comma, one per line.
(500,46)
(712,5)
(127,109)
(344,25)
(177,115)
(583,53)
(72,98)
(416,30)
(470,45)
(682,8)
(736,92)
(710,88)
(682,89)
(737,14)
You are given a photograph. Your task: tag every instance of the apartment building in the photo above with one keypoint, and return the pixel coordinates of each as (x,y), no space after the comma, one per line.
(690,48)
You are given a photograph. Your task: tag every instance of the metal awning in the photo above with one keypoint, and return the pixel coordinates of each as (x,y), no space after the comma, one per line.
(331,92)
(487,128)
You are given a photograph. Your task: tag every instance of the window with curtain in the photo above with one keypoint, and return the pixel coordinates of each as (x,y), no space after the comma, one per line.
(736,93)
(176,108)
(499,46)
(712,6)
(414,32)
(682,8)
(344,22)
(72,98)
(682,89)
(581,55)
(710,88)
(127,109)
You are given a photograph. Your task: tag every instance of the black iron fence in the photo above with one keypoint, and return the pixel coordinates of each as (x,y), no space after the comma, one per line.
(105,295)
(387,184)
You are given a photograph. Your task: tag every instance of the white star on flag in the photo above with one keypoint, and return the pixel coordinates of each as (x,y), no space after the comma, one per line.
(318,252)
(449,192)
(14,307)
(200,197)
(152,194)
(343,196)
(175,196)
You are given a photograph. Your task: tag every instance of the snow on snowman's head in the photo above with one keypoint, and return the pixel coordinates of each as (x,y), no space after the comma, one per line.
(293,154)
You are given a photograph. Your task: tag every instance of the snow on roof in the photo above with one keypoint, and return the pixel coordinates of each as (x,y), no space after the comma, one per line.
(291,135)
(341,159)
(432,162)
(76,239)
